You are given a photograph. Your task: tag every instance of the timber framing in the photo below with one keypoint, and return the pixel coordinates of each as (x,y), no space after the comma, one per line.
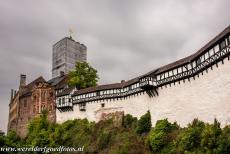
(187,68)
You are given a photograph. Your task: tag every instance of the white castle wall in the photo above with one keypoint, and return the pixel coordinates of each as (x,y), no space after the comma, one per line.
(206,98)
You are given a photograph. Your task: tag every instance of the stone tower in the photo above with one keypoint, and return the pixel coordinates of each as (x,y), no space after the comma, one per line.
(66,53)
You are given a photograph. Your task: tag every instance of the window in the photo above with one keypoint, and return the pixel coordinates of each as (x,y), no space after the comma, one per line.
(198,61)
(202,58)
(206,55)
(59,101)
(158,77)
(63,101)
(43,94)
(25,102)
(194,64)
(211,52)
(179,70)
(170,73)
(189,66)
(216,48)
(166,74)
(229,39)
(82,106)
(35,98)
(222,45)
(103,105)
(51,94)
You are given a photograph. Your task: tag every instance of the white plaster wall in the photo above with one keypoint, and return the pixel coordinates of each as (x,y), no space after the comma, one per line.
(206,98)
(134,105)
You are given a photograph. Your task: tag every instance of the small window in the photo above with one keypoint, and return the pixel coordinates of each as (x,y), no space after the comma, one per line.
(59,101)
(229,39)
(51,94)
(216,48)
(82,106)
(179,70)
(170,73)
(103,105)
(202,58)
(222,45)
(189,66)
(211,52)
(158,77)
(194,64)
(166,74)
(198,62)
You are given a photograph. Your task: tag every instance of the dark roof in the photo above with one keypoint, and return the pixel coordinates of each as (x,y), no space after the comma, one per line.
(63,83)
(107,86)
(66,91)
(192,57)
(58,81)
(27,90)
(164,68)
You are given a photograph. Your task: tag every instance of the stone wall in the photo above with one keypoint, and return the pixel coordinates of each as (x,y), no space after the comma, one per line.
(42,97)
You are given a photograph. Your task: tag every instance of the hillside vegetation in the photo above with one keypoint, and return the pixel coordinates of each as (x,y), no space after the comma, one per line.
(131,136)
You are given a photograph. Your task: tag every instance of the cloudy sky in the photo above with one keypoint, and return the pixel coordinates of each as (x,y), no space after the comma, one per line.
(124,38)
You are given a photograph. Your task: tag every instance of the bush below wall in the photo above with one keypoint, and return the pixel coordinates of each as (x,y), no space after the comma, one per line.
(132,137)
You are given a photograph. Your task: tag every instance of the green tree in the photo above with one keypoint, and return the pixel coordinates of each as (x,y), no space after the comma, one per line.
(83,76)
(161,135)
(210,136)
(144,124)
(190,138)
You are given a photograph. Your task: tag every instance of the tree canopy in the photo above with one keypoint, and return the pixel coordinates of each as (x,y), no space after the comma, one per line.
(83,76)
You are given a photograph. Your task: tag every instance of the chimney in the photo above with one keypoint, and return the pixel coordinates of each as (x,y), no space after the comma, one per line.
(12,94)
(122,81)
(22,80)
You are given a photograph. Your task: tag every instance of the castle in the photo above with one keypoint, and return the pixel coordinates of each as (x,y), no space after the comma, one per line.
(31,99)
(197,86)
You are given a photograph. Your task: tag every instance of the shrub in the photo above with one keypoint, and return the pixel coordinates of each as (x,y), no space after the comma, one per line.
(224,141)
(160,135)
(129,121)
(190,138)
(210,136)
(144,124)
(103,139)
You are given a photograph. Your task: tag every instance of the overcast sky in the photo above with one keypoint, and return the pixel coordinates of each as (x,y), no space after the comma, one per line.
(125,38)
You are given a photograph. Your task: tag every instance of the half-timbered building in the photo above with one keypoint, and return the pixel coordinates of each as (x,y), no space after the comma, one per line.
(197,86)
